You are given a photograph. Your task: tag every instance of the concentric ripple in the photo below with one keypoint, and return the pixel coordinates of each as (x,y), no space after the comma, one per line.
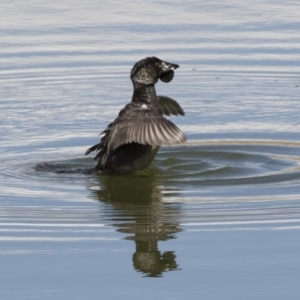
(236,162)
(231,165)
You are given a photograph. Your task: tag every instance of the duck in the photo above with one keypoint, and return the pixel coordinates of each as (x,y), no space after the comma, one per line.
(132,140)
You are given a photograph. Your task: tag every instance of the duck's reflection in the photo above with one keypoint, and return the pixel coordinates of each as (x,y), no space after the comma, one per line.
(141,215)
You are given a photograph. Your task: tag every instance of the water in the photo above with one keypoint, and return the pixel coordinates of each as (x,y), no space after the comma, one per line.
(217,218)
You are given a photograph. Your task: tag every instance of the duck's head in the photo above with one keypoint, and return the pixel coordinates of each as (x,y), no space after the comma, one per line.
(148,70)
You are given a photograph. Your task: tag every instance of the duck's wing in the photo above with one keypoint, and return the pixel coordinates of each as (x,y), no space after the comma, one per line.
(101,147)
(168,106)
(98,147)
(139,125)
(145,128)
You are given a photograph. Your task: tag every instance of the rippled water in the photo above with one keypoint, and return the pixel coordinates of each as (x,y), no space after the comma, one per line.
(216,218)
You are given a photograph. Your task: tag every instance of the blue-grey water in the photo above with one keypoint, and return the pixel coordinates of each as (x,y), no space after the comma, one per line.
(216,218)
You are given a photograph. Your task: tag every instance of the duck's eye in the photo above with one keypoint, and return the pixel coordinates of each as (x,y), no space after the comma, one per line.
(167,76)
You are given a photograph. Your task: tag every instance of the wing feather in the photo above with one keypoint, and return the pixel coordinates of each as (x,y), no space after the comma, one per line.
(163,134)
(169,106)
(154,128)
(145,132)
(145,128)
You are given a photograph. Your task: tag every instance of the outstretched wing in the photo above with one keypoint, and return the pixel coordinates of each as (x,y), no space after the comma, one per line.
(141,125)
(145,129)
(169,106)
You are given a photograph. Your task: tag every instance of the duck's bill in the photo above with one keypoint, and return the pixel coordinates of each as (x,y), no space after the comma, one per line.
(167,73)
(167,76)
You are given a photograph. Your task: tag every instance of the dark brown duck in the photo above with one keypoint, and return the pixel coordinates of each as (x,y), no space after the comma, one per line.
(132,140)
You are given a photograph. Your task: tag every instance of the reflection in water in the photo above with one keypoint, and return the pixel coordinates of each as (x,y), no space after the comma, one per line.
(197,172)
(139,213)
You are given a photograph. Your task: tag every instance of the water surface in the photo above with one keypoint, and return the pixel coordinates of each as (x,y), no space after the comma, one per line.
(216,218)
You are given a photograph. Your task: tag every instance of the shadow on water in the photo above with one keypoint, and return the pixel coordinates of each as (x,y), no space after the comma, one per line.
(143,217)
